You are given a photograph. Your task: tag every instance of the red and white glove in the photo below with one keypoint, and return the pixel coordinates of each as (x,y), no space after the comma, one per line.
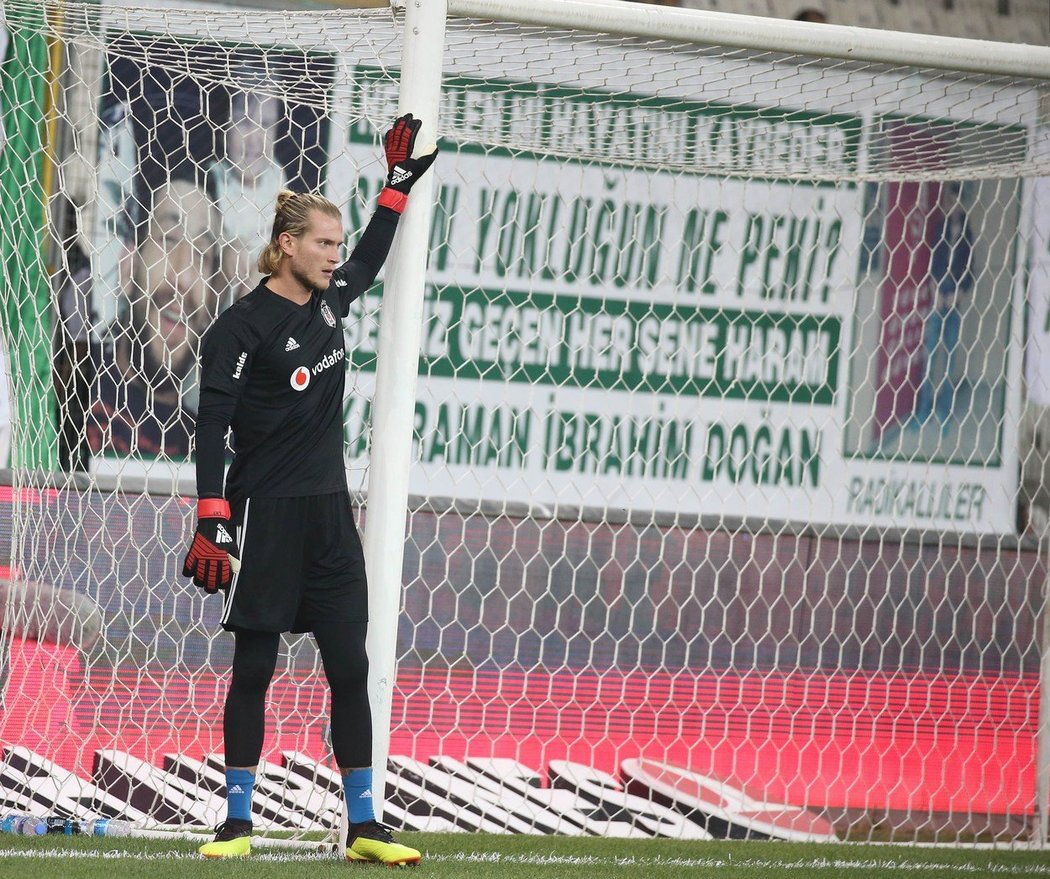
(213,557)
(402,170)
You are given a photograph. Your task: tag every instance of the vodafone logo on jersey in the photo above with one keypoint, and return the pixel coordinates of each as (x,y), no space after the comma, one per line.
(300,379)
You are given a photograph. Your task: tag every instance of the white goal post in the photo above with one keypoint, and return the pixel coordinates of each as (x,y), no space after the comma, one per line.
(396,373)
(687,423)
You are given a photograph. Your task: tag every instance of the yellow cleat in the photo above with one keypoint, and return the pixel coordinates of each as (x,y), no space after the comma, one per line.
(233,839)
(372,843)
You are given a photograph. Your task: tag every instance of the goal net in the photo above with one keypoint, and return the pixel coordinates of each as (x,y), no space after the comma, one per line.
(716,524)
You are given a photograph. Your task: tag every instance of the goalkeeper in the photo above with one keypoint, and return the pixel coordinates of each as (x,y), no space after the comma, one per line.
(280,541)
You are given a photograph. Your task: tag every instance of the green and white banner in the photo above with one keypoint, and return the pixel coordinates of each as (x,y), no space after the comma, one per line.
(25,316)
(1037,357)
(604,334)
(4,39)
(605,326)
(5,376)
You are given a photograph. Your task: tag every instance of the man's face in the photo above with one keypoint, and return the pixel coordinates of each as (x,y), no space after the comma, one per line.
(951,199)
(176,267)
(251,135)
(314,256)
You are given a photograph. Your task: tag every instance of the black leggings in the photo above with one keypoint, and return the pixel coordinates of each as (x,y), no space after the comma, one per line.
(342,647)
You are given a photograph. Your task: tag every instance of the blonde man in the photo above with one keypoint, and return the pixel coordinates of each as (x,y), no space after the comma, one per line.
(279,538)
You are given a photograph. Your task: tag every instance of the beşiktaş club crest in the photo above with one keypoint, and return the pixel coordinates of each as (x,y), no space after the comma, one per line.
(326,313)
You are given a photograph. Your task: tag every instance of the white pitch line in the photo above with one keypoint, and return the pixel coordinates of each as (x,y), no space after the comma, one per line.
(803,865)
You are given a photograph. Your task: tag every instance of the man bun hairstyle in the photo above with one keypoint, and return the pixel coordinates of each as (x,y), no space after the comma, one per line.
(292,216)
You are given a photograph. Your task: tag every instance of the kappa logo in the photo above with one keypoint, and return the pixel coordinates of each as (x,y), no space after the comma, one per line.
(300,379)
(222,535)
(400,175)
(339,282)
(291,344)
(326,313)
(240,364)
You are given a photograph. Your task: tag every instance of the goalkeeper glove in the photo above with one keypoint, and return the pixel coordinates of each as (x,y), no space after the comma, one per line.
(213,557)
(402,170)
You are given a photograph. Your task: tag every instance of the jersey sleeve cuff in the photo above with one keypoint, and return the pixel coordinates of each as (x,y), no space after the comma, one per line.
(391,198)
(213,508)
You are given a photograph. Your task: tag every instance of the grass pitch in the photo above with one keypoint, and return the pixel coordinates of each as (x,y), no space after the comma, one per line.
(471,856)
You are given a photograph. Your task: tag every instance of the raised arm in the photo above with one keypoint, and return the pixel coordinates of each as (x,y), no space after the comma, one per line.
(358,273)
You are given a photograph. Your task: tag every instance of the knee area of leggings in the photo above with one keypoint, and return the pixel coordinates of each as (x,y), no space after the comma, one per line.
(253,671)
(348,679)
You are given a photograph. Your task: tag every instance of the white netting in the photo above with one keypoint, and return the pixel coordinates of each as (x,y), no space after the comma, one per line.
(716,460)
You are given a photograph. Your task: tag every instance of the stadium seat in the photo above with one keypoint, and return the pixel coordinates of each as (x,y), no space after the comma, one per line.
(1019,28)
(788,9)
(747,7)
(740,7)
(859,15)
(913,18)
(968,18)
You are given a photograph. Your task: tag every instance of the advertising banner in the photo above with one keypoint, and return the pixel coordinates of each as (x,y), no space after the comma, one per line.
(25,318)
(606,335)
(620,332)
(188,180)
(1037,358)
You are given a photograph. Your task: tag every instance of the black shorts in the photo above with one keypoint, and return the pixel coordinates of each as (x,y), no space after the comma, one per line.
(301,562)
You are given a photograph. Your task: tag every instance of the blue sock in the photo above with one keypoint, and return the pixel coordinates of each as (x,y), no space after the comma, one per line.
(357,786)
(239,785)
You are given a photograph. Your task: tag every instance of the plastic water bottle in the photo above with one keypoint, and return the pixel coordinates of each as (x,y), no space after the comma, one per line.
(18,823)
(30,825)
(106,827)
(7,822)
(65,826)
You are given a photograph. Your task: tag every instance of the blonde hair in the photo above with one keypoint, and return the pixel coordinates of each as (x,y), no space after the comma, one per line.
(292,216)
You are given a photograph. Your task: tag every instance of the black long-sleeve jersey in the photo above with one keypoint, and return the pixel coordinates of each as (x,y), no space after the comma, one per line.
(274,371)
